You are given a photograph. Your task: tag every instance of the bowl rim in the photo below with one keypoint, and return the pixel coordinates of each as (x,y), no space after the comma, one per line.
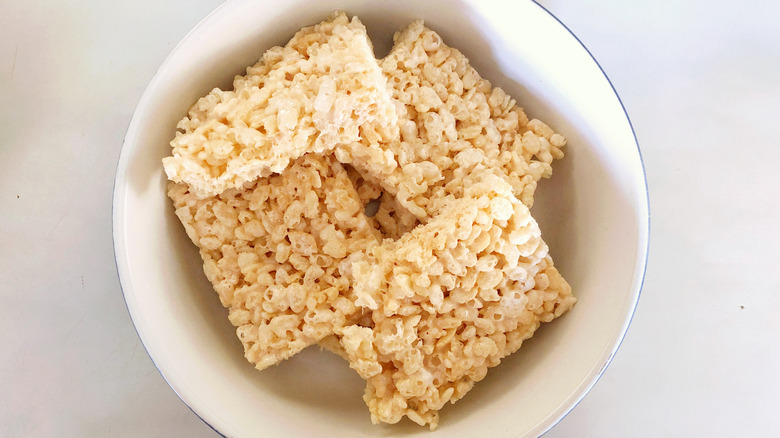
(555,417)
(644,248)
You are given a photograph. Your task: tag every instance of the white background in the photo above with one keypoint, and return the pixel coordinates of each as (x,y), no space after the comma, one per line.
(700,80)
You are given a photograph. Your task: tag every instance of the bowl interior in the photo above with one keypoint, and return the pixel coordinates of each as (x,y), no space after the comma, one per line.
(593,214)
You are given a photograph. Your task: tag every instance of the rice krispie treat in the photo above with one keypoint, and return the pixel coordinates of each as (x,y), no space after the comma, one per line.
(449,117)
(449,300)
(322,89)
(278,252)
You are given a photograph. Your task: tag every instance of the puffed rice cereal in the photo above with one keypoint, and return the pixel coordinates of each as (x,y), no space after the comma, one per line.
(378,209)
(322,89)
(449,118)
(449,300)
(277,252)
(388,216)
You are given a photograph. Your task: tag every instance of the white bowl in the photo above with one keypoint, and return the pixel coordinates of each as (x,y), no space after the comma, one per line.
(593,214)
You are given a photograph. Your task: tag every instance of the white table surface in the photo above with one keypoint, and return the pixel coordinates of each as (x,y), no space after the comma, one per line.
(700,80)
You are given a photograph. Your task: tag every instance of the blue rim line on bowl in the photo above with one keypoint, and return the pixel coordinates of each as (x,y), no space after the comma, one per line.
(646,241)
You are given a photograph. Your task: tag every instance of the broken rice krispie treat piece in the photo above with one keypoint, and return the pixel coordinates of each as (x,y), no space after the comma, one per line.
(278,252)
(449,300)
(322,89)
(449,117)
